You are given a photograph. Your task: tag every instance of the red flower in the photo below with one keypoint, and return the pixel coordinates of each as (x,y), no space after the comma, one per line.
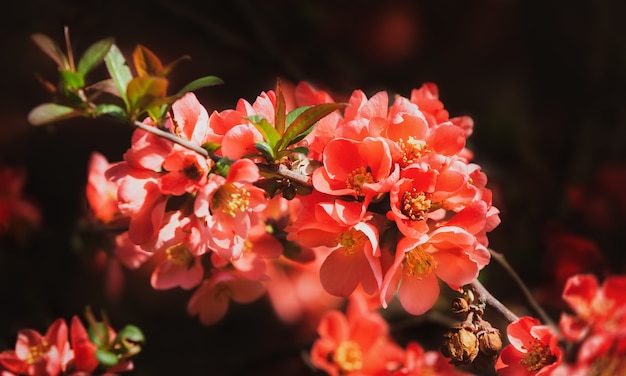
(533,349)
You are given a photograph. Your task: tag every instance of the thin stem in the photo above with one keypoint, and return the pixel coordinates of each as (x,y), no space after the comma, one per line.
(499,257)
(485,295)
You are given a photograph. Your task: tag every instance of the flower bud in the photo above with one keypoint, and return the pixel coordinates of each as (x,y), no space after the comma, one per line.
(460,345)
(490,342)
(460,305)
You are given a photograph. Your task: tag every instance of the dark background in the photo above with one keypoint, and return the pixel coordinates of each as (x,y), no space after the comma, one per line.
(544,82)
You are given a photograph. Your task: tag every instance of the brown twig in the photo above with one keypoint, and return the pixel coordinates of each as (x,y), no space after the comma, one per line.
(487,297)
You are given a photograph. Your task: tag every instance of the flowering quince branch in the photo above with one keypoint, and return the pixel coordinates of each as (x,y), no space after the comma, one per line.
(368,201)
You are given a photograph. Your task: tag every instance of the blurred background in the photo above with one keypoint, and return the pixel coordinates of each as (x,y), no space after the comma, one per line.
(544,81)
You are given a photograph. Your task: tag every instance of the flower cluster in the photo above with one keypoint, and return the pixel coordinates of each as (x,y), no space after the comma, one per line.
(358,343)
(395,203)
(592,338)
(77,351)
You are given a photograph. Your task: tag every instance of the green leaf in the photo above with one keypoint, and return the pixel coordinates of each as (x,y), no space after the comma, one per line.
(143,91)
(111,110)
(94,56)
(98,334)
(211,147)
(118,70)
(266,150)
(130,334)
(72,80)
(306,119)
(51,49)
(106,358)
(50,112)
(267,130)
(105,86)
(199,83)
(146,62)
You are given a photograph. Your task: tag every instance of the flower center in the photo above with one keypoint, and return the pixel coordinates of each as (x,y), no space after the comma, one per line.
(37,352)
(415,204)
(419,262)
(538,355)
(348,356)
(192,172)
(358,177)
(231,199)
(223,292)
(179,254)
(351,240)
(412,150)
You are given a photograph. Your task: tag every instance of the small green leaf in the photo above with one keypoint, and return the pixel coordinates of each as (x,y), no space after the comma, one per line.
(267,130)
(106,358)
(118,70)
(72,80)
(199,83)
(110,110)
(94,56)
(98,334)
(50,112)
(142,91)
(222,166)
(211,147)
(306,119)
(130,333)
(266,150)
(51,49)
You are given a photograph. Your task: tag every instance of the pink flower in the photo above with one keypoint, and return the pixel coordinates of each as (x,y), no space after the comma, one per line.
(368,171)
(418,362)
(231,206)
(533,349)
(187,171)
(449,253)
(39,355)
(101,193)
(356,343)
(212,299)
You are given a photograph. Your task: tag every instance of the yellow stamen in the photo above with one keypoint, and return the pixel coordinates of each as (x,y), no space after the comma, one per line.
(415,204)
(538,355)
(179,254)
(351,240)
(412,150)
(358,177)
(231,199)
(37,352)
(419,262)
(348,356)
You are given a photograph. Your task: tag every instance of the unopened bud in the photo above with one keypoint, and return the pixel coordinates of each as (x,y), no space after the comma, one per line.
(490,342)
(460,305)
(460,345)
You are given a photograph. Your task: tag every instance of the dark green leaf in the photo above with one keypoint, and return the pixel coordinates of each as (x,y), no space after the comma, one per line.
(94,56)
(98,334)
(72,80)
(199,83)
(110,110)
(222,166)
(307,118)
(118,70)
(51,49)
(106,358)
(267,130)
(50,112)
(266,150)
